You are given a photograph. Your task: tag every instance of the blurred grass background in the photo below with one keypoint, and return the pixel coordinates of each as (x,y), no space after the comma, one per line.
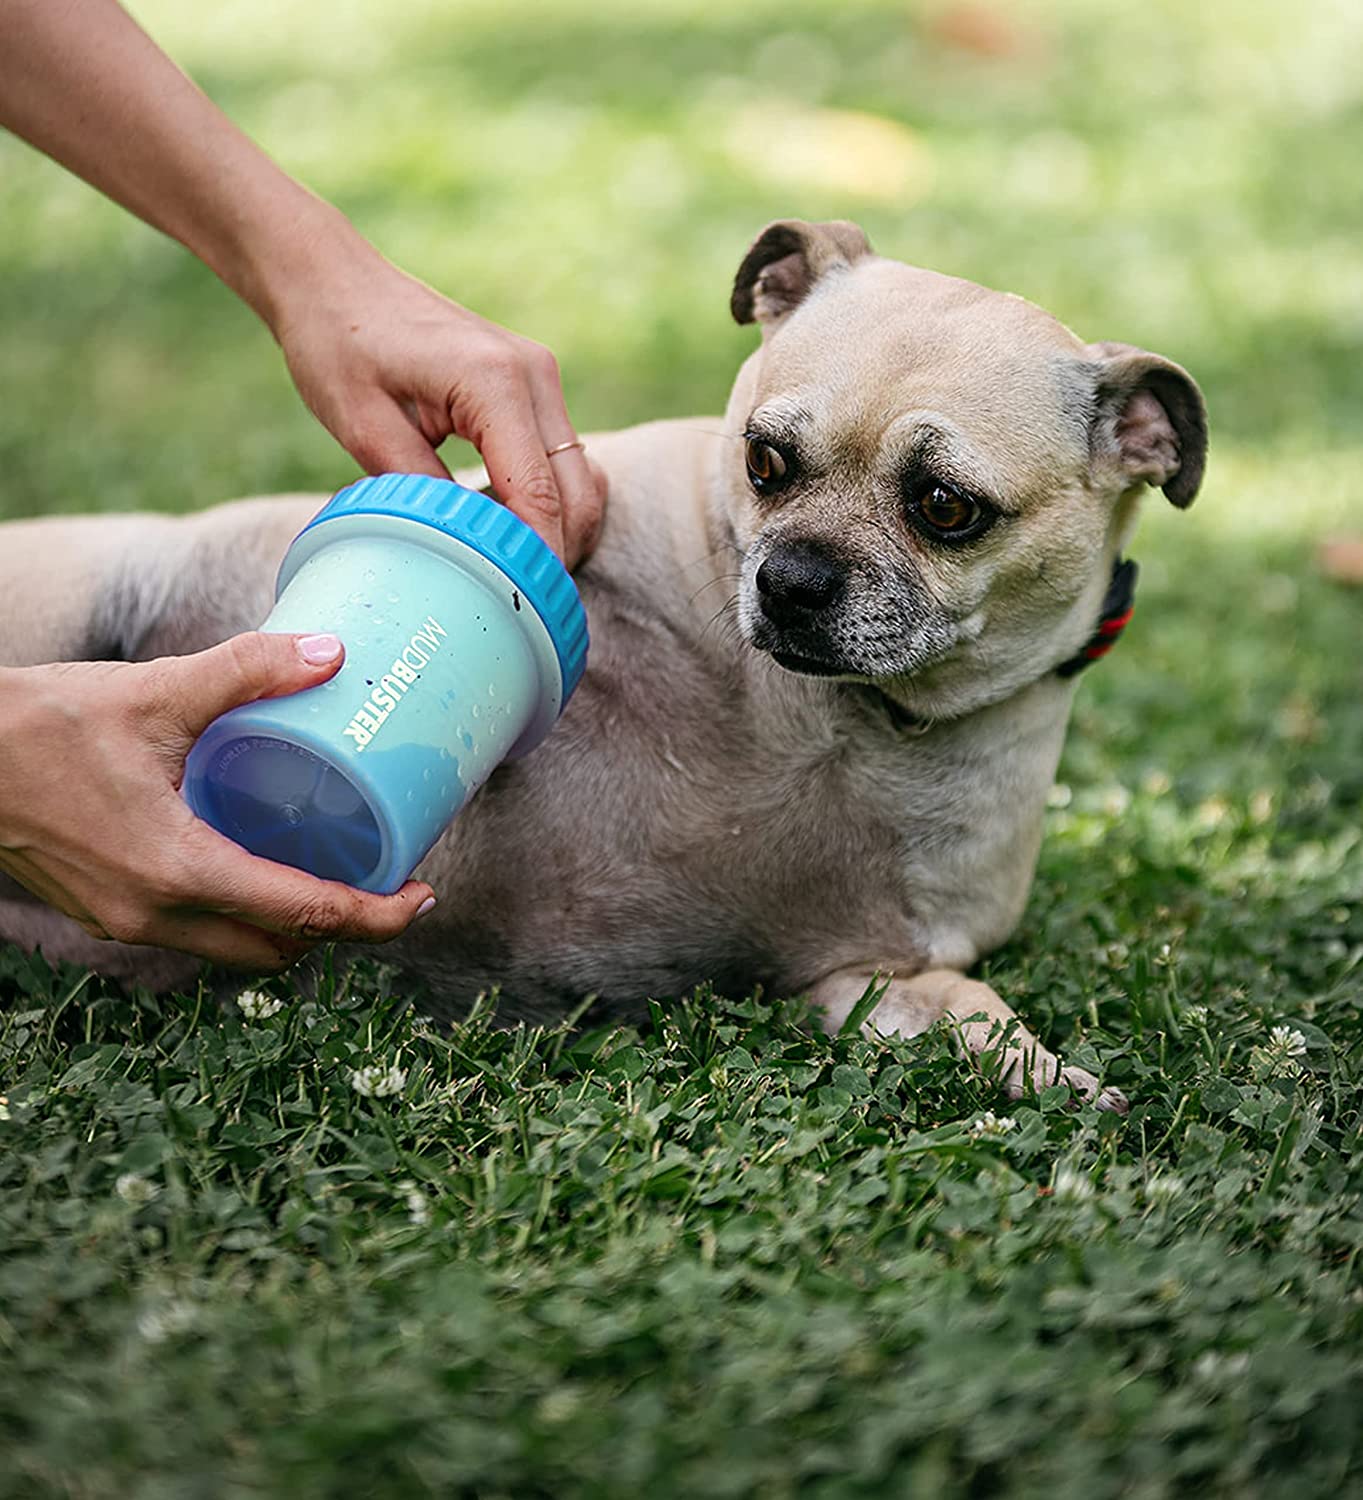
(1185,178)
(1180,177)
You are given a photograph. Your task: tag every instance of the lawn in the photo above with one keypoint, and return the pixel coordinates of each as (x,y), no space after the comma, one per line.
(325,1246)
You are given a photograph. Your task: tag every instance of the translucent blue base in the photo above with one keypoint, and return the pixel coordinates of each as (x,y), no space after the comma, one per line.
(282,802)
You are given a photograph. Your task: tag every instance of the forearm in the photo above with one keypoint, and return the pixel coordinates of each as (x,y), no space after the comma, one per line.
(83,83)
(387,365)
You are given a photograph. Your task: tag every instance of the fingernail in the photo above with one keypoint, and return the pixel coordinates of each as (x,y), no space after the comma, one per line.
(425,906)
(318,650)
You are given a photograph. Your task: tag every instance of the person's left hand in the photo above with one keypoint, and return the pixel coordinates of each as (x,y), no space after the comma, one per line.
(392,368)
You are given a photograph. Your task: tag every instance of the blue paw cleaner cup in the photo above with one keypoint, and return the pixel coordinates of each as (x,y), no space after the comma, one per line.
(464,639)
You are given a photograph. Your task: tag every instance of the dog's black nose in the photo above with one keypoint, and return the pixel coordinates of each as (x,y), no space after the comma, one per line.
(796,578)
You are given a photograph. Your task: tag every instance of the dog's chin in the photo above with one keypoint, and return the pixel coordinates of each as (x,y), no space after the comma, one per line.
(897,679)
(803,657)
(802,661)
(805,654)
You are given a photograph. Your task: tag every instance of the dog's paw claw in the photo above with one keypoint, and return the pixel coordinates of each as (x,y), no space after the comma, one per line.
(1091,1091)
(1039,1069)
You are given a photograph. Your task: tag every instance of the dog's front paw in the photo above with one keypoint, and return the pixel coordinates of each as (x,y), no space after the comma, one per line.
(1042,1069)
(1089,1089)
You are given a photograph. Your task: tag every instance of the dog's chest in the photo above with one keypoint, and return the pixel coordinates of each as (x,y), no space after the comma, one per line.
(687,823)
(855,843)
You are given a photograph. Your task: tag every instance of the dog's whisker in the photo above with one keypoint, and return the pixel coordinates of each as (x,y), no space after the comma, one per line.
(726,546)
(711,582)
(727,613)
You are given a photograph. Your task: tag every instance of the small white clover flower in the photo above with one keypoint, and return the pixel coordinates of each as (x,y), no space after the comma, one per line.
(374,1081)
(559,1405)
(990,1124)
(133,1188)
(257,1006)
(1286,1042)
(1164,1188)
(4,1107)
(1115,800)
(1212,813)
(1212,1366)
(164,1320)
(1195,1015)
(1280,1054)
(1072,1186)
(418,1204)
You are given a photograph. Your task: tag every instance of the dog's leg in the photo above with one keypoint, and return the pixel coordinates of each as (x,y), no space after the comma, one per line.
(66,593)
(128,587)
(30,925)
(909,1006)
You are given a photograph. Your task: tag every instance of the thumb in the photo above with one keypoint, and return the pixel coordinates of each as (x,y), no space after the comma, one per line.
(256,665)
(386,441)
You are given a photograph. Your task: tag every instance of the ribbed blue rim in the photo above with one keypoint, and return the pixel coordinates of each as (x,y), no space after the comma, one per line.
(491,530)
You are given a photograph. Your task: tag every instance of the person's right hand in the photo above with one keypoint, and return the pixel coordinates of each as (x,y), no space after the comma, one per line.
(92,821)
(392,368)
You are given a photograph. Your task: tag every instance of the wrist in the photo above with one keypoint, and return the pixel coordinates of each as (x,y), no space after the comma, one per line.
(296,251)
(287,251)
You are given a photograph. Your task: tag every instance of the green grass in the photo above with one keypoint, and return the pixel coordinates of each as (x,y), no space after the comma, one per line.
(719,1254)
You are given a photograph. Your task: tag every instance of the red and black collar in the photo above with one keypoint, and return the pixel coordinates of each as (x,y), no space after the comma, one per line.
(1118,604)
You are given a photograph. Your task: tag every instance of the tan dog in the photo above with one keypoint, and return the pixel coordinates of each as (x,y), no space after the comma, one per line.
(821,714)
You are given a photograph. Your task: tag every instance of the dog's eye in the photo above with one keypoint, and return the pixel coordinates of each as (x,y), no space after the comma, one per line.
(948,513)
(946,509)
(767,467)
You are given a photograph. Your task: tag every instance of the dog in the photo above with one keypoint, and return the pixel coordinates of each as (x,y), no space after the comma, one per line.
(829,677)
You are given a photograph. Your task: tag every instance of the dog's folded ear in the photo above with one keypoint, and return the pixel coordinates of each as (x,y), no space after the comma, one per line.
(785,261)
(1150,419)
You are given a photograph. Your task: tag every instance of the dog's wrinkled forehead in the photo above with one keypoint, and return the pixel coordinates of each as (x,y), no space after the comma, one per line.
(882,357)
(874,340)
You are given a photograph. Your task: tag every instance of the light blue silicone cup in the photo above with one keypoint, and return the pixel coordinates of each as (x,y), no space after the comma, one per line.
(464,639)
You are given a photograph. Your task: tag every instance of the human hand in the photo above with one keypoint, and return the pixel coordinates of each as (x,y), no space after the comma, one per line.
(92,821)
(392,368)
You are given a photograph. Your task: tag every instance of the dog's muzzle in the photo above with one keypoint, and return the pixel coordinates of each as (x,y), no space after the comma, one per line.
(799,586)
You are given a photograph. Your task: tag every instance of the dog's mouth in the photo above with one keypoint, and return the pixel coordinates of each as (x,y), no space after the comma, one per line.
(808,666)
(805,655)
